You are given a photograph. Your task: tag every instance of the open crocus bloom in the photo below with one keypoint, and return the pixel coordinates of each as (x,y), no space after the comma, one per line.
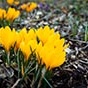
(7,37)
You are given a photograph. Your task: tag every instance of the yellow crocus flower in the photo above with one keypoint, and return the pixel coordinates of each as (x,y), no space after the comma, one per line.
(17,2)
(2,13)
(31,35)
(31,6)
(7,37)
(12,14)
(28,48)
(28,6)
(10,2)
(21,36)
(33,44)
(25,48)
(23,6)
(44,33)
(38,48)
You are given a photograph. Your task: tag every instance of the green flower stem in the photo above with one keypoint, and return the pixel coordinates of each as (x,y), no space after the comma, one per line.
(4,22)
(43,73)
(19,64)
(47,82)
(28,70)
(40,81)
(42,76)
(35,76)
(86,33)
(38,77)
(8,58)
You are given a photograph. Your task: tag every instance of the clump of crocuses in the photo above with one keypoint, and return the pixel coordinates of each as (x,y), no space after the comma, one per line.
(37,51)
(10,15)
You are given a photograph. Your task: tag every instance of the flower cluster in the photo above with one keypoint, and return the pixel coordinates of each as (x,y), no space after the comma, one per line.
(9,15)
(51,49)
(44,42)
(11,2)
(29,6)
